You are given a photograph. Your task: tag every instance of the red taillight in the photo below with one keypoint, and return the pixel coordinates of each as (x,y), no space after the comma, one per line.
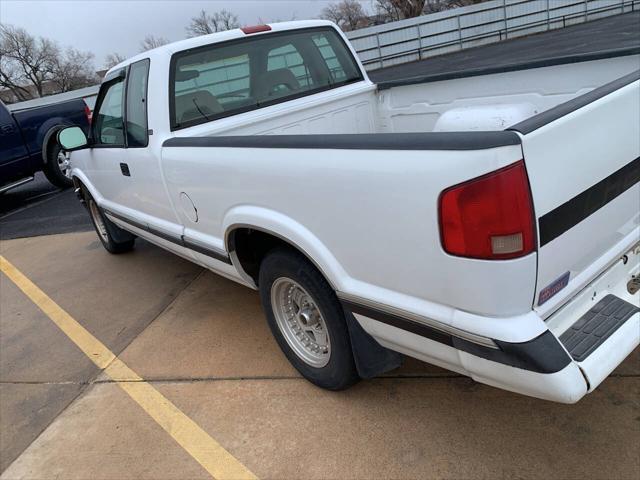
(489,217)
(87,112)
(255,29)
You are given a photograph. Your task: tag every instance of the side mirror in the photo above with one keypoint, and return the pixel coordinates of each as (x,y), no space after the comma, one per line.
(72,138)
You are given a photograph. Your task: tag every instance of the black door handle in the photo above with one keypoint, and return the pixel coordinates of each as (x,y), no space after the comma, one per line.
(124,168)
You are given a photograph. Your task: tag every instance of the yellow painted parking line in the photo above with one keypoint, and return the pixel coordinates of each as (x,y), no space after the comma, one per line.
(204,449)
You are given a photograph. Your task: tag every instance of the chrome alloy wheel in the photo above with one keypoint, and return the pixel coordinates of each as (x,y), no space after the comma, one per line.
(97,218)
(64,163)
(301,322)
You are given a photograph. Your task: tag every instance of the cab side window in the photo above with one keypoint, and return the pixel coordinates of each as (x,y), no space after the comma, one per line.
(137,135)
(108,121)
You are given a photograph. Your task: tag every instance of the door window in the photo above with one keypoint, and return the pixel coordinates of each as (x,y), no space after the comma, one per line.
(108,123)
(137,135)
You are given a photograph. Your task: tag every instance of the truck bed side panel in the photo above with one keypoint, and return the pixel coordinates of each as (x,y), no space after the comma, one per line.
(367,213)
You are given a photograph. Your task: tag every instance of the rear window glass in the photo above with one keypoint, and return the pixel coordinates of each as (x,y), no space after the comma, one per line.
(219,80)
(329,55)
(288,58)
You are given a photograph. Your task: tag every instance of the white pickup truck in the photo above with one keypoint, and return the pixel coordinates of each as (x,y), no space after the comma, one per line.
(489,225)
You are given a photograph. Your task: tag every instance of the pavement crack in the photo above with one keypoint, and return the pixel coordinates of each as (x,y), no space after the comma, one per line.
(162,311)
(198,379)
(443,376)
(36,382)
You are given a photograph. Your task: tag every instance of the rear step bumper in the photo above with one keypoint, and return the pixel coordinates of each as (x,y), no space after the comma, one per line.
(600,326)
(586,340)
(609,354)
(596,326)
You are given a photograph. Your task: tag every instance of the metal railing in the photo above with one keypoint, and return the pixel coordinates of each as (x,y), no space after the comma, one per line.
(490,22)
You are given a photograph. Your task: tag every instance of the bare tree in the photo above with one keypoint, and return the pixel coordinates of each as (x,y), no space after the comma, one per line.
(199,25)
(36,66)
(113,59)
(464,3)
(394,10)
(332,13)
(388,10)
(434,6)
(204,24)
(151,42)
(10,79)
(347,14)
(412,8)
(74,70)
(26,61)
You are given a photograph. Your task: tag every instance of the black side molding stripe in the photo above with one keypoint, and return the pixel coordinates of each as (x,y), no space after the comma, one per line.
(197,247)
(548,116)
(543,354)
(178,240)
(362,141)
(133,223)
(399,322)
(569,214)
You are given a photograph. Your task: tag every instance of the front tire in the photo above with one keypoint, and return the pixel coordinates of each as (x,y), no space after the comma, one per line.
(57,169)
(113,238)
(307,320)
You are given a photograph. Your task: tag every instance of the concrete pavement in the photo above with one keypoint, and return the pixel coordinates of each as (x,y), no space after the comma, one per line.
(39,366)
(203,343)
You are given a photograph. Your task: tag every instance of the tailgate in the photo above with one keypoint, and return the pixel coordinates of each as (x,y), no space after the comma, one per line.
(583,162)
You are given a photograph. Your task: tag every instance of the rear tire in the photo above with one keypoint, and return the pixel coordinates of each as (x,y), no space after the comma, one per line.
(307,320)
(113,238)
(57,168)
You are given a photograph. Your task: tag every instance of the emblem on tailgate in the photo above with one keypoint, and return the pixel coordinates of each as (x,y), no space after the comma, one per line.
(550,290)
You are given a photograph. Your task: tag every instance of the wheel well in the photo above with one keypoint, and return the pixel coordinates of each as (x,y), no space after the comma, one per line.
(49,141)
(251,246)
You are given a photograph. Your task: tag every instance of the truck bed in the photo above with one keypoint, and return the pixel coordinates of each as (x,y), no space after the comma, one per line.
(605,38)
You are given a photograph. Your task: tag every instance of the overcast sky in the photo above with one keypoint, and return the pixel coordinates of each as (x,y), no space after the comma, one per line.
(106,26)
